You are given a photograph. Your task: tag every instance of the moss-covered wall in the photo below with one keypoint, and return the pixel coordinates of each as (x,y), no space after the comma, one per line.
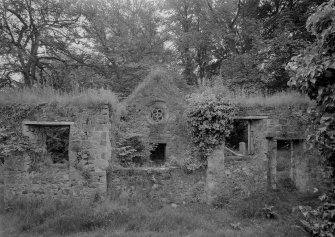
(160,91)
(31,174)
(156,185)
(270,124)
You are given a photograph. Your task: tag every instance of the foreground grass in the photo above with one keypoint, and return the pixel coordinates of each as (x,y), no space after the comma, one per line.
(237,218)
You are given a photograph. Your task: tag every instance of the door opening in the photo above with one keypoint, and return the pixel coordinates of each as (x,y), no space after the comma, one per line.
(158,153)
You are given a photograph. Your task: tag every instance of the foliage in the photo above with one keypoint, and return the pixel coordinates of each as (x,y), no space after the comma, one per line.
(210,120)
(283,36)
(190,162)
(268,213)
(85,44)
(125,40)
(264,204)
(320,221)
(203,33)
(11,144)
(30,27)
(57,143)
(132,139)
(132,151)
(241,72)
(313,72)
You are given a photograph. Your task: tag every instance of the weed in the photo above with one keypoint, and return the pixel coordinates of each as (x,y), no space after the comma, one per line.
(249,100)
(35,96)
(281,202)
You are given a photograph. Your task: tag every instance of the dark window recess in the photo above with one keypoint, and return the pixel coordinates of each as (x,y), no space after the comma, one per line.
(158,154)
(57,143)
(238,134)
(2,160)
(283,144)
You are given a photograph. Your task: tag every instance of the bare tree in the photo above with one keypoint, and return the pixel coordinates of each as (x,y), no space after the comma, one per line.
(31,34)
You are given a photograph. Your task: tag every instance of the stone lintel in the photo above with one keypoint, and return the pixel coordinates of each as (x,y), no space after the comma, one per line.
(256,117)
(47,123)
(288,137)
(145,168)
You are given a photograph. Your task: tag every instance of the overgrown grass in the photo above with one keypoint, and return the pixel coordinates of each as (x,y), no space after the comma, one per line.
(285,98)
(108,218)
(280,98)
(283,203)
(70,217)
(49,95)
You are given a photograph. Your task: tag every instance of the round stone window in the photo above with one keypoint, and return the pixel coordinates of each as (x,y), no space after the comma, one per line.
(157,114)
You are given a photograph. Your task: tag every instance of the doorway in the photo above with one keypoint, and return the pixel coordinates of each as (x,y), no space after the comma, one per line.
(158,153)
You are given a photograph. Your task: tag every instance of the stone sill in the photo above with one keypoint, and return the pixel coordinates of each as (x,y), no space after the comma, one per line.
(46,123)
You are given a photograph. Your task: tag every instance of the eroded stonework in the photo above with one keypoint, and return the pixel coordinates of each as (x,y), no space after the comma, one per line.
(89,151)
(276,154)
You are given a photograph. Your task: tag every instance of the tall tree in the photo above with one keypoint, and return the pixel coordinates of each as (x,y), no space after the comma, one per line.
(284,35)
(31,32)
(313,72)
(125,39)
(207,32)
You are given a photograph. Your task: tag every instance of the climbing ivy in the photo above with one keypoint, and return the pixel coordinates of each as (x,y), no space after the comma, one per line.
(210,119)
(12,141)
(313,72)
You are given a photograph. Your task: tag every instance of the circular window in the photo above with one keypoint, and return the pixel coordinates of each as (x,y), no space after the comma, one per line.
(157,114)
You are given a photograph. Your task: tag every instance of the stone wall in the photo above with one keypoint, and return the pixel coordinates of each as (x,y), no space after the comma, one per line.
(281,121)
(2,188)
(258,129)
(215,175)
(84,175)
(284,124)
(156,185)
(242,176)
(160,91)
(231,178)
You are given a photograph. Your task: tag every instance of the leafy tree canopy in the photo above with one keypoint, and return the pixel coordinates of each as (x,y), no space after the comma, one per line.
(313,72)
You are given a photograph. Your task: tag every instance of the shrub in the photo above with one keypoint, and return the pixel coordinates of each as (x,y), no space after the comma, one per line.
(133,145)
(259,204)
(210,120)
(321,220)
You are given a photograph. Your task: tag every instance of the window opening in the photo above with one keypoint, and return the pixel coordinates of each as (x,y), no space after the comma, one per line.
(238,134)
(157,114)
(57,143)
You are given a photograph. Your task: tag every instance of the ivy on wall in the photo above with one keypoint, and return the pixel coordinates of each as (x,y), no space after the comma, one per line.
(210,119)
(313,72)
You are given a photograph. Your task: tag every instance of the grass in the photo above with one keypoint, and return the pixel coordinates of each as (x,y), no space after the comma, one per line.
(280,98)
(49,95)
(106,219)
(285,98)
